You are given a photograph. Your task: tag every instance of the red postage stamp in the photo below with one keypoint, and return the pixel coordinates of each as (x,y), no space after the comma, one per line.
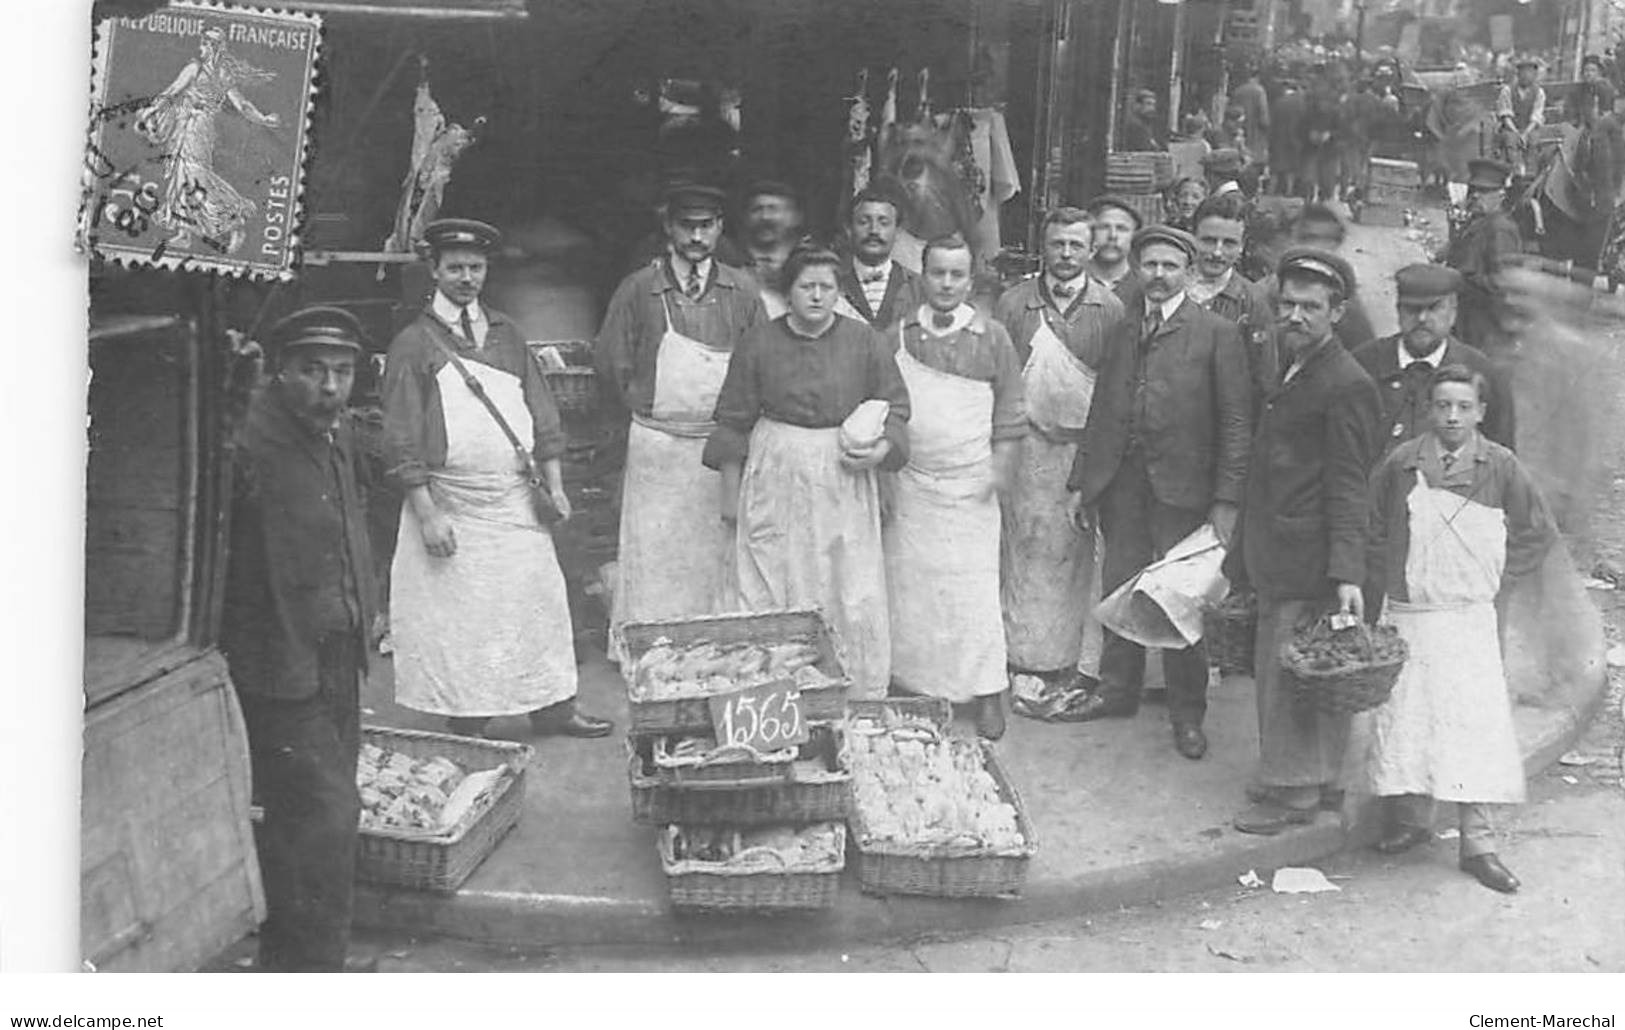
(198,137)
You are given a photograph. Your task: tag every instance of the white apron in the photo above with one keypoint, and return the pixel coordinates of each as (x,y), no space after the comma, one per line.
(809,536)
(1447,729)
(487,631)
(942,546)
(675,550)
(1048,584)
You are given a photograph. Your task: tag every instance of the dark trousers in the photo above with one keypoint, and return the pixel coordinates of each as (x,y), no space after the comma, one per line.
(304,759)
(1139,529)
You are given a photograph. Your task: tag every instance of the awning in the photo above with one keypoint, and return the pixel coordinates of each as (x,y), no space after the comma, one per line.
(440,10)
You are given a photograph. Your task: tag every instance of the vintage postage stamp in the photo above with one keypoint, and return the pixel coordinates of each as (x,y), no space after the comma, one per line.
(199,130)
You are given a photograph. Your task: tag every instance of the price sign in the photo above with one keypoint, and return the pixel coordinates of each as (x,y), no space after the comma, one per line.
(765,717)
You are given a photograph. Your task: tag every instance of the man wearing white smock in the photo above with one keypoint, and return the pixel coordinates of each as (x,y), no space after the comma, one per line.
(967,419)
(479,617)
(1057,322)
(662,354)
(1456,521)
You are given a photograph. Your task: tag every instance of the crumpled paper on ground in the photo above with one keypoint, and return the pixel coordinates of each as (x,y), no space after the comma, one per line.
(1297,880)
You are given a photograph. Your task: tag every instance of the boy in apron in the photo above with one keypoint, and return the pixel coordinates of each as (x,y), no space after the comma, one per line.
(1456,520)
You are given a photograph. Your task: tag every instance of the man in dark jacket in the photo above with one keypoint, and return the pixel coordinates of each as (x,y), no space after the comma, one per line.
(299,604)
(1164,450)
(1488,243)
(876,288)
(1302,537)
(1402,365)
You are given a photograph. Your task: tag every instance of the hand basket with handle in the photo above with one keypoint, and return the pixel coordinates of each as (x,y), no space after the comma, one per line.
(1338,686)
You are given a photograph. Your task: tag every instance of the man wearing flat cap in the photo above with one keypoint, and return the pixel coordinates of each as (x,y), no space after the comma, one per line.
(298,608)
(1164,450)
(1302,540)
(1485,246)
(1402,365)
(772,225)
(661,355)
(1520,108)
(478,612)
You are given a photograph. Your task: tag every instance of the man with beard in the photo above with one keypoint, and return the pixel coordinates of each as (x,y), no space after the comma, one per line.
(874,288)
(662,353)
(1403,364)
(772,226)
(1319,227)
(298,609)
(1164,451)
(1115,223)
(1301,543)
(1221,229)
(1488,243)
(1058,323)
(1139,131)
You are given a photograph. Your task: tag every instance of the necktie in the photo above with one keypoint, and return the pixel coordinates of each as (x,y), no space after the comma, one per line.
(467,326)
(1064,291)
(878,275)
(1153,322)
(942,319)
(1447,460)
(694,284)
(1418,366)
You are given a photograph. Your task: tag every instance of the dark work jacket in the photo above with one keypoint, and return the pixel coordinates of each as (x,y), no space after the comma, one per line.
(1198,410)
(1248,304)
(903,295)
(1479,252)
(299,567)
(1405,398)
(1303,515)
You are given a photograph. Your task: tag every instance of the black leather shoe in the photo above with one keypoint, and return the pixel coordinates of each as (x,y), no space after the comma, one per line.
(1268,818)
(990,716)
(565,720)
(1488,870)
(1190,741)
(1402,838)
(1331,798)
(1101,706)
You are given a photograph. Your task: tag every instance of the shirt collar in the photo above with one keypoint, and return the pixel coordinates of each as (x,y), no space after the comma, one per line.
(859,269)
(680,267)
(451,313)
(1202,292)
(1435,357)
(1078,284)
(1430,458)
(1169,306)
(964,316)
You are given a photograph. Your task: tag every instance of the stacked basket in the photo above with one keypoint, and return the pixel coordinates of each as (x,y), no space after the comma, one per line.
(729,815)
(1140,178)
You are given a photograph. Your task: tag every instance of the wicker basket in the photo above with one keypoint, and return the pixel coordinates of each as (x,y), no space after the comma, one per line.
(1153,170)
(733,886)
(796,795)
(574,387)
(1345,690)
(441,862)
(1149,206)
(737,764)
(947,871)
(693,714)
(935,710)
(1230,630)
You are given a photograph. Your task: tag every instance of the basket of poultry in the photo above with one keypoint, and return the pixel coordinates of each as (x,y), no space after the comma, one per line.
(691,780)
(933,814)
(1340,665)
(721,868)
(674,667)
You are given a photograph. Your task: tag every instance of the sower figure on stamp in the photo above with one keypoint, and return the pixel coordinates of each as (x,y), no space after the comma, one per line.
(478,612)
(1455,520)
(1301,542)
(1058,322)
(1164,451)
(298,607)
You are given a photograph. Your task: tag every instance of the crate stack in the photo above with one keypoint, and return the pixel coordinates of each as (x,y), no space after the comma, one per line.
(709,801)
(1394,187)
(1141,177)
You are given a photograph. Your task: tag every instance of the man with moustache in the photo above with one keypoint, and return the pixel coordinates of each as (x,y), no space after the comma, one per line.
(1115,223)
(661,354)
(1220,226)
(1402,365)
(1164,451)
(772,217)
(1301,544)
(874,288)
(1058,323)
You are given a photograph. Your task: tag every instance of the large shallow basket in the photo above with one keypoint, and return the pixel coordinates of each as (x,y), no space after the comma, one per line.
(1141,171)
(792,795)
(1230,630)
(1347,689)
(947,871)
(442,861)
(574,387)
(715,886)
(693,714)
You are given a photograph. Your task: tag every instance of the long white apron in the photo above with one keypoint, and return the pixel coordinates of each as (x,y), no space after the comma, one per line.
(809,536)
(1048,584)
(485,632)
(1447,728)
(942,546)
(675,554)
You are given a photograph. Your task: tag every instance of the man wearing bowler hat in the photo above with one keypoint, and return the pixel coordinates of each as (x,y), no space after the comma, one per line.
(1487,244)
(1164,450)
(298,609)
(1402,365)
(478,611)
